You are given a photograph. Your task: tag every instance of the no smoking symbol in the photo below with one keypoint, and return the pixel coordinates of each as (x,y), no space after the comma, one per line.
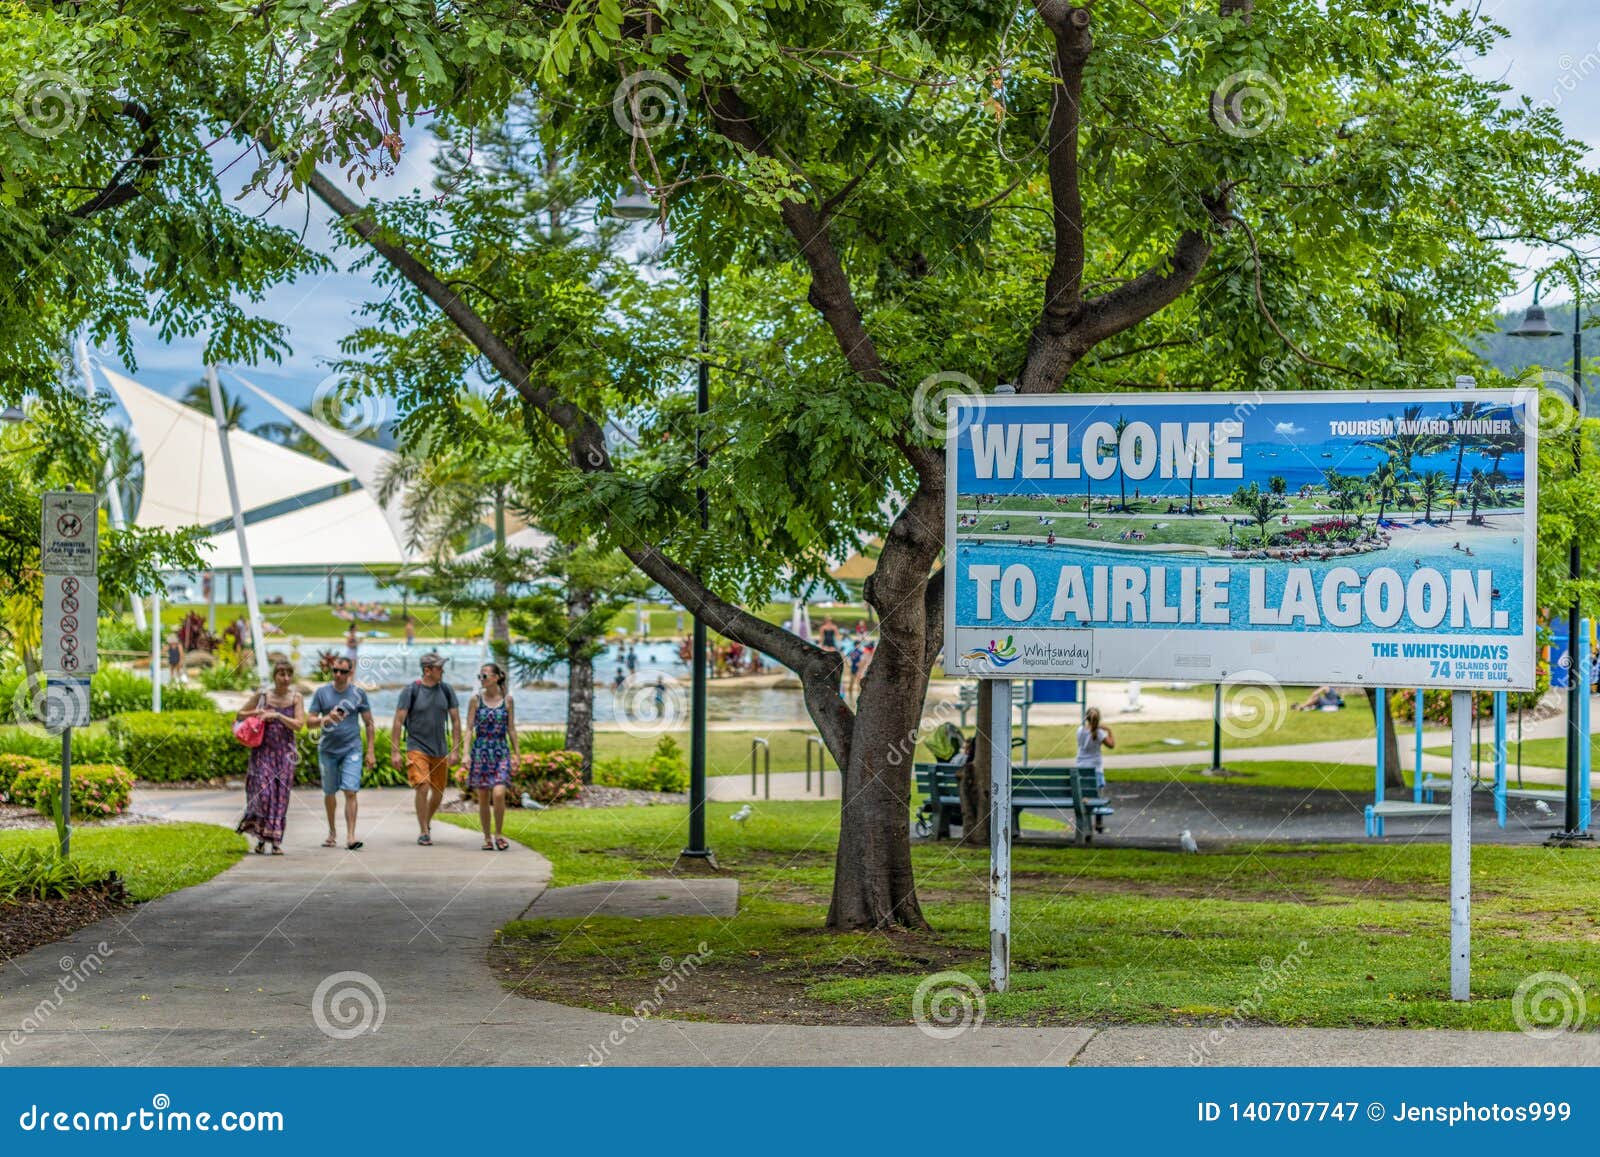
(70,525)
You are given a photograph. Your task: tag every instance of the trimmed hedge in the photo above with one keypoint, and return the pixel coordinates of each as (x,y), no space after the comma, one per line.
(663,770)
(112,691)
(98,789)
(186,745)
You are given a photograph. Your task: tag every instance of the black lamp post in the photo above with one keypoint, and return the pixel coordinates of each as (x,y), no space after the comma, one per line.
(1536,325)
(637,205)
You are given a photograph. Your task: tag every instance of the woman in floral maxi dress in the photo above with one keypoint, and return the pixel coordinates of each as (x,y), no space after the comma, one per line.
(271,775)
(492,726)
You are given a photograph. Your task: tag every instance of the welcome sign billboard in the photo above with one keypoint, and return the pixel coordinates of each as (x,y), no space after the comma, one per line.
(1375,537)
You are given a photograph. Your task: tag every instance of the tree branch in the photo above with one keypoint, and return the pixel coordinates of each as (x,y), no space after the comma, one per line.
(1069,26)
(124,184)
(819,669)
(830,293)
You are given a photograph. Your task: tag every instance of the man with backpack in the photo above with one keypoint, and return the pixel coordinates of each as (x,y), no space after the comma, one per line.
(424,707)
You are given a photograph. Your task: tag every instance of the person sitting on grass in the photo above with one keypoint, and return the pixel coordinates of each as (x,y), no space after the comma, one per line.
(1322,699)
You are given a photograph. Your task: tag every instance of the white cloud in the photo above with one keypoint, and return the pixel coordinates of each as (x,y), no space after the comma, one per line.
(1288,429)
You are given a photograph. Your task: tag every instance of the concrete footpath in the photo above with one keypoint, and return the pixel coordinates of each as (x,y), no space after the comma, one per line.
(377,957)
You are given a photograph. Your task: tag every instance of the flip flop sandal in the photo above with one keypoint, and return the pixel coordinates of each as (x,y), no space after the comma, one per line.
(501,843)
(331,842)
(260,848)
(354,847)
(277,851)
(488,847)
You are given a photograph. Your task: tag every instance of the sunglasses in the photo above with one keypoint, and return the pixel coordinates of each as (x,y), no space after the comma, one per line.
(341,670)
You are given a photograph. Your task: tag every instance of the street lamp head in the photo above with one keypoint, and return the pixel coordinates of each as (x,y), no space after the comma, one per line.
(1535,324)
(634,205)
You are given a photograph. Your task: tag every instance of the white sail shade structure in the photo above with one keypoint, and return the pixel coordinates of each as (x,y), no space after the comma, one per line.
(363,459)
(347,531)
(183,478)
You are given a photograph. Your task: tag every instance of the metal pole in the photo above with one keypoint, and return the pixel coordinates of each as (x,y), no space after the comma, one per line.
(257,636)
(697,697)
(155,652)
(1460,845)
(1575,693)
(1500,758)
(1000,835)
(66,792)
(1586,672)
(1416,776)
(1382,714)
(119,518)
(1216,729)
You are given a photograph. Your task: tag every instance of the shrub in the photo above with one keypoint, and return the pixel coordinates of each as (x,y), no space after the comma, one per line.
(228,673)
(41,874)
(663,770)
(548,776)
(98,789)
(13,765)
(531,741)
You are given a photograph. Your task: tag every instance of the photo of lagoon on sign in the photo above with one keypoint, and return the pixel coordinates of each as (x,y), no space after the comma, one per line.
(1142,535)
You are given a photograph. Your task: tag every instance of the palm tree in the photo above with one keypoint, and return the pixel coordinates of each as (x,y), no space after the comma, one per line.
(1122,478)
(445,497)
(1403,449)
(198,397)
(1259,504)
(1480,489)
(1200,452)
(1433,485)
(1384,487)
(1463,412)
(122,466)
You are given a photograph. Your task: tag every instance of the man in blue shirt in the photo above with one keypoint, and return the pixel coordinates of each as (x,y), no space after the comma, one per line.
(341,710)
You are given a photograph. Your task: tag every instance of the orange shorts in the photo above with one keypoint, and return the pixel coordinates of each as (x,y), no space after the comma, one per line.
(423,768)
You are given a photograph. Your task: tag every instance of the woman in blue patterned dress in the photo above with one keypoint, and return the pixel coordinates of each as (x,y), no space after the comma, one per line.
(492,728)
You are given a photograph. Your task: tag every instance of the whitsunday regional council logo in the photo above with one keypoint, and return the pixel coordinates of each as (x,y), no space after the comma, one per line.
(1039,650)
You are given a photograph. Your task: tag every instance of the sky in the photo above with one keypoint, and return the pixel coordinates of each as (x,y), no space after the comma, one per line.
(1552,56)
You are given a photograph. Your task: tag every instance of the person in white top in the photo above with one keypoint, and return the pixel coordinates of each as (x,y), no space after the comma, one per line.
(1091,738)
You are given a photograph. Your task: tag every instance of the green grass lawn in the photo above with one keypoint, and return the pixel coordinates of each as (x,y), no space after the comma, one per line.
(1550,753)
(1338,935)
(154,859)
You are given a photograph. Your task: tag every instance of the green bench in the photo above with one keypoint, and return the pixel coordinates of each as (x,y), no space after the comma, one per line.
(1074,789)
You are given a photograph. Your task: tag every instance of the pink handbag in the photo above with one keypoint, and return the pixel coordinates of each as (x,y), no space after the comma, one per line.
(250,730)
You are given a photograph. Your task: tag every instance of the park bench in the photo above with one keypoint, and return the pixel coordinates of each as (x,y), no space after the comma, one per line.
(1074,789)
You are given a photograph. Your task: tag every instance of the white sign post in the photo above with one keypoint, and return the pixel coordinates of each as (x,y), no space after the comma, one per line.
(71,618)
(1266,538)
(69,550)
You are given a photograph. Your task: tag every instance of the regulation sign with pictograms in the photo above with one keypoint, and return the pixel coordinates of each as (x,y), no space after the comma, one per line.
(68,538)
(66,703)
(71,608)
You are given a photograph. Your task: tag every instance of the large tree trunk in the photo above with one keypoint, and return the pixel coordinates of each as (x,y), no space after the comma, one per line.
(873,885)
(580,688)
(1394,773)
(977,777)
